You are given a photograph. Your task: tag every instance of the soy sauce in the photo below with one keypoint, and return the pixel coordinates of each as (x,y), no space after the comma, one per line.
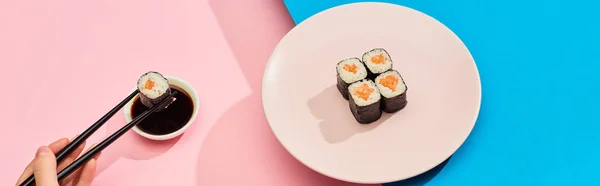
(168,120)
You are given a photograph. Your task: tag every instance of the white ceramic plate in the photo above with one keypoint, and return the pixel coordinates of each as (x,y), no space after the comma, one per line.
(313,122)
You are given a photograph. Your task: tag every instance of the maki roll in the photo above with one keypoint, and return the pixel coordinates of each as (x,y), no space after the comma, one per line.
(153,88)
(349,71)
(365,103)
(393,90)
(377,61)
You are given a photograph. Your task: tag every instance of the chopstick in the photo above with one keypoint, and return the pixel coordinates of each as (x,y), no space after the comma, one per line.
(102,145)
(63,153)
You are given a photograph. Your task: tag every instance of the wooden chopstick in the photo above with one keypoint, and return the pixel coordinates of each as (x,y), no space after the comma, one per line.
(102,145)
(63,153)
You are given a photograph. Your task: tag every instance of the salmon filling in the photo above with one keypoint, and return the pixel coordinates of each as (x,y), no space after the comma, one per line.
(378,59)
(364,91)
(149,85)
(350,68)
(389,81)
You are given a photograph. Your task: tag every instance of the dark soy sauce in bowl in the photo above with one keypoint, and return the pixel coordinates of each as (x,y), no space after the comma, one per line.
(168,120)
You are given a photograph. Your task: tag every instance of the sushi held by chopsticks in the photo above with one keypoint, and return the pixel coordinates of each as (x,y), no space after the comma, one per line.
(153,88)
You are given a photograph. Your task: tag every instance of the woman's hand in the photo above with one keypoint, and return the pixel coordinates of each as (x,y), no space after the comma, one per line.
(44,167)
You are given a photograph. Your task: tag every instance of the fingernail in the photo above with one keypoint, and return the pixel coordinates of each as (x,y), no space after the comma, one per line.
(43,151)
(91,147)
(73,138)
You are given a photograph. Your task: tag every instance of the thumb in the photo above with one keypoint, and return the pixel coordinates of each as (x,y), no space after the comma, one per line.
(44,167)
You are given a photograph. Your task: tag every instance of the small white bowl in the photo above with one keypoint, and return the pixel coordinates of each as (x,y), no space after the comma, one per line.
(173,81)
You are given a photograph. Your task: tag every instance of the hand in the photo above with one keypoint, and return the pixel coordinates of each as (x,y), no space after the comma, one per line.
(45,170)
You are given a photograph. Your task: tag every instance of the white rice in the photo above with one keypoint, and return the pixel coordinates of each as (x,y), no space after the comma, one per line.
(349,77)
(377,68)
(374,97)
(161,85)
(387,92)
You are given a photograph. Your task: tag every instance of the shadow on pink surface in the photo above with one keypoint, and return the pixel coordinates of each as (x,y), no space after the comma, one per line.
(144,149)
(133,146)
(241,149)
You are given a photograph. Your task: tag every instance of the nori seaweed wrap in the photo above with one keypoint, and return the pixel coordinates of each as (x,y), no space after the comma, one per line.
(349,71)
(377,61)
(365,101)
(393,91)
(154,87)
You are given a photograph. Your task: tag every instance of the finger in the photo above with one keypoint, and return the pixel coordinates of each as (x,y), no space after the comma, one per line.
(54,146)
(44,167)
(88,173)
(71,157)
(58,145)
(74,177)
(68,160)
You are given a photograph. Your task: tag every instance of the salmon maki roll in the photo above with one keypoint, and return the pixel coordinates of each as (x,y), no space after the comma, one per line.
(153,88)
(393,90)
(349,71)
(377,61)
(365,101)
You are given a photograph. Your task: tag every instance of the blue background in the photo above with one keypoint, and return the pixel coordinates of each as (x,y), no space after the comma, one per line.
(540,115)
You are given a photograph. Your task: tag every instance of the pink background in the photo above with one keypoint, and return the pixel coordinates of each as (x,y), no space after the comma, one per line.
(67,62)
